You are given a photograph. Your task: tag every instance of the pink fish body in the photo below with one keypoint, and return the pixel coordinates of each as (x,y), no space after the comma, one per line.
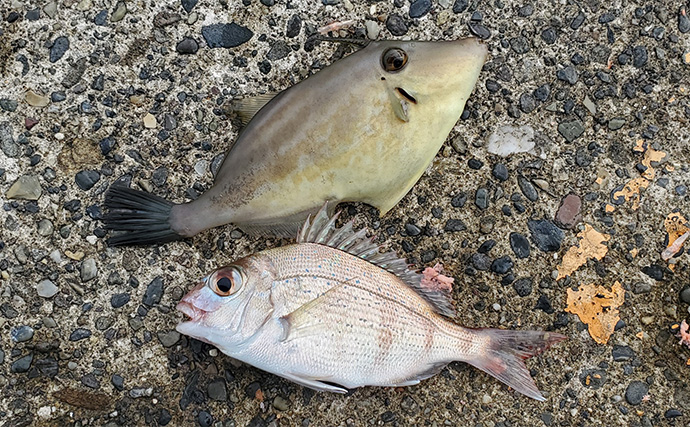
(333,313)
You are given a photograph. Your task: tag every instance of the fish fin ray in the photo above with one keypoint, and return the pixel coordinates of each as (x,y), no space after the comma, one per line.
(246,108)
(505,354)
(299,323)
(315,383)
(321,229)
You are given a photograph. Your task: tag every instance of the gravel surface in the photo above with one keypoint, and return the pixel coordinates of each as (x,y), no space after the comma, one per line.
(95,93)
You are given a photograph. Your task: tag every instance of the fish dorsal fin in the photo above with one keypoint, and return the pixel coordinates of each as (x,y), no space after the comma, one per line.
(321,229)
(246,108)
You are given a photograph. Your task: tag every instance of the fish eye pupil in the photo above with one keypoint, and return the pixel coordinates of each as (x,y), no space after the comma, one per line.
(224,284)
(394,59)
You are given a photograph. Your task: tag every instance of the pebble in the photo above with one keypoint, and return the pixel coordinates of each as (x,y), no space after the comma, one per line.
(138,392)
(205,419)
(683,20)
(119,300)
(217,390)
(523,286)
(520,245)
(50,9)
(79,334)
(642,288)
(46,289)
(454,225)
(396,25)
(481,198)
(119,12)
(9,105)
(118,382)
(7,143)
(568,213)
(86,179)
(278,50)
(685,295)
(655,271)
(568,74)
(528,188)
(635,392)
(640,56)
(544,304)
(500,172)
(188,5)
(571,129)
(22,364)
(294,25)
(36,100)
(460,6)
(616,123)
(373,29)
(58,49)
(281,404)
(88,270)
(673,413)
(154,292)
(546,235)
(187,46)
(481,262)
(169,339)
(26,187)
(150,121)
(21,333)
(622,353)
(479,30)
(486,246)
(419,8)
(502,265)
(225,35)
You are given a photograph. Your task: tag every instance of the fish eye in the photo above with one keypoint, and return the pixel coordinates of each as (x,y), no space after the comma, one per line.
(226,281)
(394,59)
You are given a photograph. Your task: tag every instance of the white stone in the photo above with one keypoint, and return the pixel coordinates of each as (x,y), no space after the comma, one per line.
(507,140)
(150,121)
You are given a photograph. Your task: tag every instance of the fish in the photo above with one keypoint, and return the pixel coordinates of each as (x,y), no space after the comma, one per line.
(363,129)
(332,312)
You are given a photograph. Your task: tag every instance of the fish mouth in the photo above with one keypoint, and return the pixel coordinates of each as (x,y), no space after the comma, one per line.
(189,310)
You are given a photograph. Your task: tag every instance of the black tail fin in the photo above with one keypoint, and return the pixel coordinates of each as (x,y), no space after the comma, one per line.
(143,217)
(505,352)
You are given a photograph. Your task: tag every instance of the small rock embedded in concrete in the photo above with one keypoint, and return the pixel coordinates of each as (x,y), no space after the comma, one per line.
(88,270)
(685,295)
(571,130)
(26,187)
(22,364)
(150,121)
(169,339)
(36,100)
(373,29)
(683,20)
(119,12)
(523,286)
(205,419)
(546,235)
(294,25)
(187,46)
(225,35)
(86,179)
(622,353)
(640,56)
(481,198)
(419,8)
(58,49)
(454,225)
(9,105)
(154,292)
(519,245)
(278,50)
(479,30)
(568,74)
(217,390)
(119,300)
(281,404)
(635,392)
(616,123)
(188,5)
(7,143)
(528,189)
(502,265)
(46,289)
(396,25)
(21,333)
(75,72)
(568,213)
(500,172)
(79,334)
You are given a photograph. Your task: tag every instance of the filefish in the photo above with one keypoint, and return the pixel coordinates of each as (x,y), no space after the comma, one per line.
(363,129)
(333,313)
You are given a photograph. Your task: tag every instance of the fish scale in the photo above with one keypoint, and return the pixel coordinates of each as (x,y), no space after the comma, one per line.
(328,319)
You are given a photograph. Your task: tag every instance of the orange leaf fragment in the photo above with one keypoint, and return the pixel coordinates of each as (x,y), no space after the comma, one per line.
(631,190)
(590,245)
(597,307)
(678,231)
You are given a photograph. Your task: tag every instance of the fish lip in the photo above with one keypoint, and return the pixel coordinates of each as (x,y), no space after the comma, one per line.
(189,310)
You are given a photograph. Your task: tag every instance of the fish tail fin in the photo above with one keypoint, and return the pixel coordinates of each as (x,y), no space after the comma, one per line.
(143,218)
(504,355)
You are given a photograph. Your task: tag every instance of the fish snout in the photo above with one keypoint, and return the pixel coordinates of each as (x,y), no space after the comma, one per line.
(198,302)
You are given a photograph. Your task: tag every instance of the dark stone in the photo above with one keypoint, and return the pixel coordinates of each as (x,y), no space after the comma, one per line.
(119,300)
(187,46)
(164,417)
(458,200)
(546,235)
(268,3)
(549,35)
(622,353)
(500,172)
(75,72)
(453,225)
(481,261)
(9,105)
(479,30)
(527,103)
(673,413)
(593,378)
(475,164)
(419,8)
(217,390)
(460,6)
(607,17)
(683,20)
(571,130)
(294,25)
(481,198)
(91,381)
(48,367)
(519,245)
(101,18)
(502,265)
(525,11)
(226,35)
(159,176)
(523,286)
(685,295)
(79,334)
(188,5)
(486,246)
(635,392)
(544,304)
(542,92)
(568,74)
(33,15)
(118,382)
(21,333)
(396,25)
(22,364)
(520,45)
(528,189)
(205,419)
(86,179)
(265,67)
(60,46)
(577,21)
(655,271)
(639,56)
(412,229)
(165,18)
(279,50)
(154,292)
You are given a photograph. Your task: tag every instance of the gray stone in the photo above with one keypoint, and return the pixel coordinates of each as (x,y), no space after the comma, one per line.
(86,179)
(622,353)
(119,12)
(79,334)
(528,188)
(568,74)
(26,187)
(45,227)
(635,392)
(46,289)
(520,245)
(226,35)
(9,105)
(279,50)
(60,46)
(169,339)
(217,390)
(119,300)
(685,295)
(154,292)
(21,333)
(419,8)
(546,235)
(281,404)
(571,130)
(7,143)
(88,270)
(22,364)
(616,123)
(75,72)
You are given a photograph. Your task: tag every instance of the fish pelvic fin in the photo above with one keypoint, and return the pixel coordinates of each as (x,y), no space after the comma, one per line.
(143,218)
(505,353)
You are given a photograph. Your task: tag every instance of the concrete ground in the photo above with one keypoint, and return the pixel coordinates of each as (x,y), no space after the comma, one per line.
(97,91)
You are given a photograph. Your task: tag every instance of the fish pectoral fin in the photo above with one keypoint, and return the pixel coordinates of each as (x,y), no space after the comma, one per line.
(318,384)
(246,108)
(305,321)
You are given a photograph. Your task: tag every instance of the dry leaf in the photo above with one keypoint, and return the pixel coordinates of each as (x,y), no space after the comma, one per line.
(590,245)
(678,231)
(631,191)
(84,399)
(597,307)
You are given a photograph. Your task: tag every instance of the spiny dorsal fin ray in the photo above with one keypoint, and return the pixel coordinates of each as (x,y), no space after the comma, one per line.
(322,230)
